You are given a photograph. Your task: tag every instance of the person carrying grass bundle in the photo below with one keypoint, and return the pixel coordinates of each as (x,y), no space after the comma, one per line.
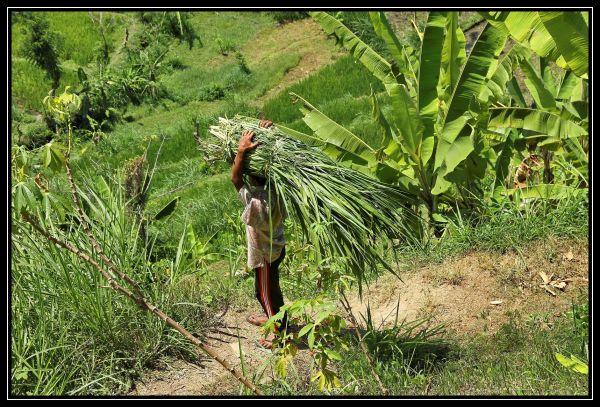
(264,232)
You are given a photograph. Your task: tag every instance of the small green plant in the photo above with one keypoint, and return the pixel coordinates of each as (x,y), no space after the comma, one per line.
(212,92)
(573,363)
(242,63)
(225,46)
(321,329)
(580,314)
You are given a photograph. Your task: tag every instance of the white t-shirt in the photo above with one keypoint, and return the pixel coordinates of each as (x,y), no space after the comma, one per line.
(262,244)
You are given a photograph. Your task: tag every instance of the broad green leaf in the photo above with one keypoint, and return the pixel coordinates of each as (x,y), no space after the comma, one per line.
(535,120)
(453,53)
(333,354)
(23,198)
(548,77)
(560,36)
(374,62)
(429,68)
(503,75)
(52,156)
(305,330)
(543,97)
(453,154)
(567,86)
(311,339)
(384,31)
(494,136)
(573,363)
(570,33)
(515,93)
(406,122)
(331,132)
(481,61)
(527,28)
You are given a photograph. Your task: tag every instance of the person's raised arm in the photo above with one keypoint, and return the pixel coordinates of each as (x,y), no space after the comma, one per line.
(246,145)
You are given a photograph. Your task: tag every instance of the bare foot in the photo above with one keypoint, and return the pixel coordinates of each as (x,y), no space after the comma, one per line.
(266,343)
(257,320)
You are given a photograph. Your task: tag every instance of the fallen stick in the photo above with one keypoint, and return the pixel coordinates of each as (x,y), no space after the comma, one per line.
(144,303)
(138,297)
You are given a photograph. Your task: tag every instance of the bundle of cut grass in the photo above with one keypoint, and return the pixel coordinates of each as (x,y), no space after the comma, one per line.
(343,213)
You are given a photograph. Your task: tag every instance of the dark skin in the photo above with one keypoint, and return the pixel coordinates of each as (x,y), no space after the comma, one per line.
(245,145)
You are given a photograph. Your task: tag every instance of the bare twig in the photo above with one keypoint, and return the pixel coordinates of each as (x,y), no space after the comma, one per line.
(138,297)
(90,235)
(144,303)
(363,347)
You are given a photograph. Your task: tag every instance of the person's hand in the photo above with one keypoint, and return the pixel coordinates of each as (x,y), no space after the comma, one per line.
(246,143)
(265,123)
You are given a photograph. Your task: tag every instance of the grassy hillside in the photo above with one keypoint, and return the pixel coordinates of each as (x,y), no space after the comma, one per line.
(71,337)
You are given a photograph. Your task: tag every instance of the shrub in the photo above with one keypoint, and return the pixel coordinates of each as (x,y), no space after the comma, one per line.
(41,45)
(283,17)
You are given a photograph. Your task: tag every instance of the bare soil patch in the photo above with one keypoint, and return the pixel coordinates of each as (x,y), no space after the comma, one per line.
(472,294)
(476,292)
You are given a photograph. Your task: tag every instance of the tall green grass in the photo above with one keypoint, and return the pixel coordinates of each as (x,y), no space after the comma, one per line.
(72,336)
(508,226)
(517,360)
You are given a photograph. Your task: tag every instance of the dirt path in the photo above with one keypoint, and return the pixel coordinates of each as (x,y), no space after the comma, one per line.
(471,294)
(208,377)
(475,293)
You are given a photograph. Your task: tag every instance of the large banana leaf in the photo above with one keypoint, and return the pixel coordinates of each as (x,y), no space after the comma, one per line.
(331,132)
(384,31)
(569,31)
(497,85)
(560,36)
(454,144)
(408,125)
(344,146)
(567,86)
(526,28)
(374,62)
(537,121)
(481,61)
(548,77)
(429,68)
(344,157)
(542,96)
(450,155)
(453,53)
(515,93)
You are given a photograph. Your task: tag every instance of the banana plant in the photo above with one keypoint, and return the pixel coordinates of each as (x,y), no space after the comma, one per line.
(557,35)
(556,121)
(432,108)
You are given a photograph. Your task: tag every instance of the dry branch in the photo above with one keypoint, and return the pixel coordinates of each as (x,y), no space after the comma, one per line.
(136,297)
